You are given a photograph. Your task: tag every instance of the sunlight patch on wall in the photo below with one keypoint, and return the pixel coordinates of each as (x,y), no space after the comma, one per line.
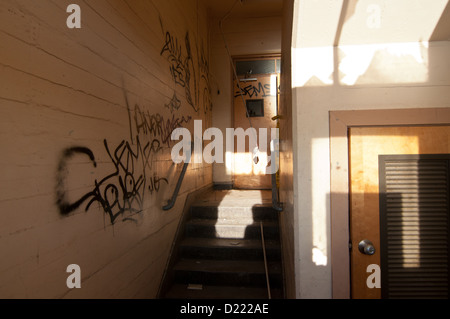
(319,258)
(374,64)
(244,164)
(320,199)
(312,66)
(392,63)
(229,162)
(363,42)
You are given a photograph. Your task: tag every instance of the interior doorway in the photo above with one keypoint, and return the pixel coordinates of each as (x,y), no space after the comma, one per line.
(340,123)
(399,202)
(255,107)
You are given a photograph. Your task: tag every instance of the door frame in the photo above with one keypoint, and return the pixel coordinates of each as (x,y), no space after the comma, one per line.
(252,57)
(340,122)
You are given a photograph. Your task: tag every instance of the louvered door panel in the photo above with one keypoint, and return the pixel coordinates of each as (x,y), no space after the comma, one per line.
(414,226)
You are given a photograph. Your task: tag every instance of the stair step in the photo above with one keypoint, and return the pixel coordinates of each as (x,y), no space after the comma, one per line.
(221,255)
(255,213)
(181,291)
(230,229)
(227,272)
(224,248)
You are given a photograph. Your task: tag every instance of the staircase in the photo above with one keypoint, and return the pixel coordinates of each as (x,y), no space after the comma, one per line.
(220,254)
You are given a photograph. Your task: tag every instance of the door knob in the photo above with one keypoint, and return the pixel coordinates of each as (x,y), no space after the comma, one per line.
(366,247)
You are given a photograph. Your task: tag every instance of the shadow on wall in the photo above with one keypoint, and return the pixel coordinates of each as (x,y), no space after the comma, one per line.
(388,59)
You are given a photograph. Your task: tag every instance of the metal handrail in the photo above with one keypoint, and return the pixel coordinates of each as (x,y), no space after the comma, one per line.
(172,201)
(265,260)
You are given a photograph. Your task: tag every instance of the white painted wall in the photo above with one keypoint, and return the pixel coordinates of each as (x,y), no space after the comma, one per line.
(350,76)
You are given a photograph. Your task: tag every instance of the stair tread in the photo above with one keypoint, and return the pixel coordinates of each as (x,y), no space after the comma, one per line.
(233,198)
(226,266)
(240,205)
(228,243)
(221,249)
(231,222)
(253,213)
(181,291)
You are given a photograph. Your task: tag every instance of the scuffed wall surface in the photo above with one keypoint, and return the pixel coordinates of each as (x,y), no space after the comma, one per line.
(85,122)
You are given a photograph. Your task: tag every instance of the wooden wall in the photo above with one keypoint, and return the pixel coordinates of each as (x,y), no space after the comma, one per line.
(85,122)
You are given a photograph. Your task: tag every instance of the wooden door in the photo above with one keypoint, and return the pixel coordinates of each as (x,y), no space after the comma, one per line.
(254,108)
(366,144)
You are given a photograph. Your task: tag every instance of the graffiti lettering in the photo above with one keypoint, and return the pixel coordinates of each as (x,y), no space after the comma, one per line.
(254,91)
(174,104)
(189,69)
(178,70)
(155,183)
(181,67)
(63,204)
(122,192)
(155,125)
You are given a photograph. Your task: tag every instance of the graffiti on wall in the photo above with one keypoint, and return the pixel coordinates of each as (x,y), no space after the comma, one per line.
(122,192)
(133,176)
(252,90)
(189,69)
(154,125)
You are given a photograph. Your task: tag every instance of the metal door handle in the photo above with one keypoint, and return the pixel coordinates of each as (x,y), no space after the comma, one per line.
(366,247)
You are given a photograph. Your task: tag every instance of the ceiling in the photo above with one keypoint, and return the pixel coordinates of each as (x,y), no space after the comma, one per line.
(244,8)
